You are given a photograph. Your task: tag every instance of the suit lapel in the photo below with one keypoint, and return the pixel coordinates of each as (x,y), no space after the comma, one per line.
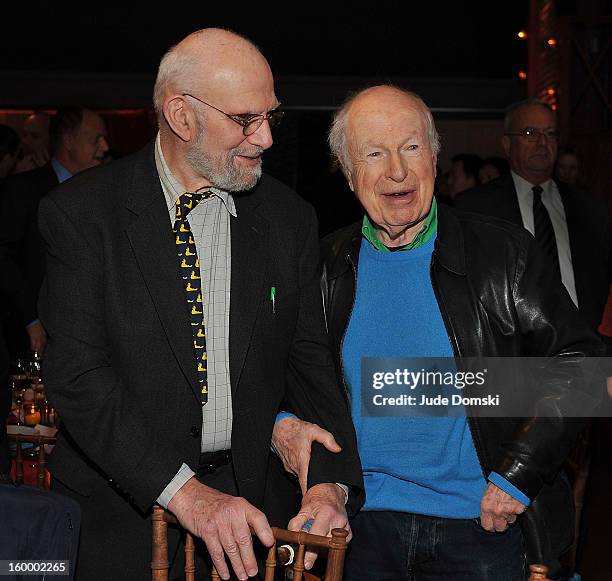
(572,213)
(508,199)
(249,234)
(150,235)
(579,243)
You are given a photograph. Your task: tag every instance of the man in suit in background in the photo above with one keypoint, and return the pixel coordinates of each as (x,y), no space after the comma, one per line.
(78,142)
(571,227)
(35,142)
(183,310)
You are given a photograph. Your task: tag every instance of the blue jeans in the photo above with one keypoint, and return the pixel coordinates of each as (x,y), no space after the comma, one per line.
(389,546)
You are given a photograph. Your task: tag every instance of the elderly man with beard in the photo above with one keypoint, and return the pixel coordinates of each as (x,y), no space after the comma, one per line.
(183,310)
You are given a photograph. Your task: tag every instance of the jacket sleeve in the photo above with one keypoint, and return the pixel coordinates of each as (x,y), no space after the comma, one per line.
(312,392)
(82,383)
(552,328)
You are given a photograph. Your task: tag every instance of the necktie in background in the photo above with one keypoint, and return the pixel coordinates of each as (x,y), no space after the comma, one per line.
(190,271)
(543,228)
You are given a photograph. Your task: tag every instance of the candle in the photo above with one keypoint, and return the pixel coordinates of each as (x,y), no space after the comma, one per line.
(31,414)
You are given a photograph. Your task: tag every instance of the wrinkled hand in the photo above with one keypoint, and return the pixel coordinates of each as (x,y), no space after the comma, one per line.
(222,522)
(292,438)
(498,509)
(325,504)
(38,337)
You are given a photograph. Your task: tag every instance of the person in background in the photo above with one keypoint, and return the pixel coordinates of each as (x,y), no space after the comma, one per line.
(492,168)
(78,142)
(418,279)
(9,149)
(463,173)
(568,166)
(183,306)
(572,228)
(35,142)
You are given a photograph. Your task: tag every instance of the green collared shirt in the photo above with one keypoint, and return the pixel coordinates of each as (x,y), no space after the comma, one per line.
(429,228)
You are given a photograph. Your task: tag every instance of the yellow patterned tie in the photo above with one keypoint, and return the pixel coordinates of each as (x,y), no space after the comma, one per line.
(190,270)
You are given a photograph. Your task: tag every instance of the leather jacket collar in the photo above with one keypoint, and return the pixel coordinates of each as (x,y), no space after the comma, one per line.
(448,249)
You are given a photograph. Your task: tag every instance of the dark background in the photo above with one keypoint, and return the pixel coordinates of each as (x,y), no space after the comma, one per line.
(435,39)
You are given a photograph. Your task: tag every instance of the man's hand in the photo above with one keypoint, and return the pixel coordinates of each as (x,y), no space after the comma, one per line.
(38,337)
(498,509)
(292,438)
(222,522)
(324,503)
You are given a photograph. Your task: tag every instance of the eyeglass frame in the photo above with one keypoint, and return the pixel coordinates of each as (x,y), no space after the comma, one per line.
(273,117)
(551,135)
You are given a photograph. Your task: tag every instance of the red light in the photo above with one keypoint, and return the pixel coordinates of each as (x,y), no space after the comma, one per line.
(522,34)
(552,42)
(551,91)
(522,75)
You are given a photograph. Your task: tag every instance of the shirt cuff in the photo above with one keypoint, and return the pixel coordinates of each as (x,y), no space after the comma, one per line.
(181,477)
(34,322)
(509,488)
(345,489)
(282,415)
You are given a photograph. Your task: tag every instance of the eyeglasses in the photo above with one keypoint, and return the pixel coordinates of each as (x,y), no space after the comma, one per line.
(533,134)
(250,122)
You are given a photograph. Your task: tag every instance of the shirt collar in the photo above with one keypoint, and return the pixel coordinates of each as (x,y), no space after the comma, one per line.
(523,187)
(60,171)
(173,189)
(429,229)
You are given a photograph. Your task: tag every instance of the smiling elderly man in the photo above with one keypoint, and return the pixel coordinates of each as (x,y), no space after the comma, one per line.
(416,280)
(183,306)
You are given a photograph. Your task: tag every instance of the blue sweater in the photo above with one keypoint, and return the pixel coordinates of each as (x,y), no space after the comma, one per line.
(424,465)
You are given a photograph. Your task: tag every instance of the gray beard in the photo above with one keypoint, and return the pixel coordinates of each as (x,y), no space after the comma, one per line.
(220,170)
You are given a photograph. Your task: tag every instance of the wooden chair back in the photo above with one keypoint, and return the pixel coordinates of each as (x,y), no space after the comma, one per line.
(335,546)
(36,440)
(538,573)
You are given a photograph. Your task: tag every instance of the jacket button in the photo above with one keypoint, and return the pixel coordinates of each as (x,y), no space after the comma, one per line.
(195,432)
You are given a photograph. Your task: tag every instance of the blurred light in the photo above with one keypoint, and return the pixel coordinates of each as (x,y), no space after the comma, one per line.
(554,107)
(552,42)
(522,75)
(522,34)
(551,91)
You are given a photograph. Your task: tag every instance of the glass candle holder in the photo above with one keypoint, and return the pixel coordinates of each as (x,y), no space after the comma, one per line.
(31,414)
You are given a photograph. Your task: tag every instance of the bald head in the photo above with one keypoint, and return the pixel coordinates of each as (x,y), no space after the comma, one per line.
(211,63)
(215,104)
(370,102)
(387,143)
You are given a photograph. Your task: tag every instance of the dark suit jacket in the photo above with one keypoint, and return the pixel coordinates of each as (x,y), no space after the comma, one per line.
(587,226)
(22,250)
(119,365)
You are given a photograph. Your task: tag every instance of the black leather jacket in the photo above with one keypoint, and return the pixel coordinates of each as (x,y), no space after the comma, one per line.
(498,297)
